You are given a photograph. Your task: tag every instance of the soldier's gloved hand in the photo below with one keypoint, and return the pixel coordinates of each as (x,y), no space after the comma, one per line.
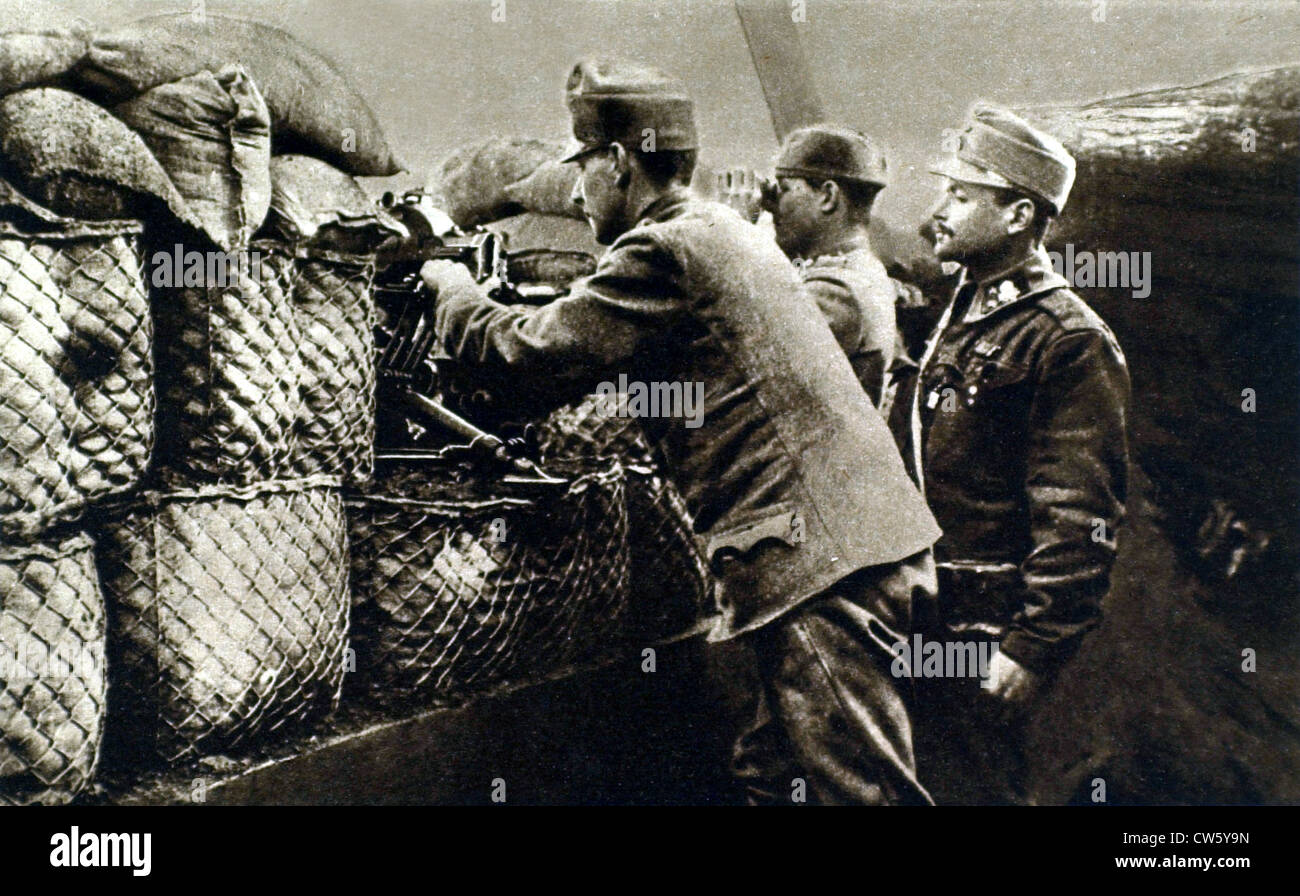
(1008,681)
(439,272)
(446,280)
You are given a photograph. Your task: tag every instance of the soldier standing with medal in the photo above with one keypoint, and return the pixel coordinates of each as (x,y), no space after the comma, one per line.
(1019,424)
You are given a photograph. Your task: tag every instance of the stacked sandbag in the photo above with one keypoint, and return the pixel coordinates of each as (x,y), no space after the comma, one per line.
(39,58)
(97,269)
(312,202)
(464,584)
(669,589)
(1212,349)
(224,575)
(229,374)
(52,684)
(76,394)
(334,309)
(227,613)
(548,190)
(221,547)
(473,181)
(76,427)
(226,580)
(77,160)
(518,187)
(314,109)
(211,133)
(336,229)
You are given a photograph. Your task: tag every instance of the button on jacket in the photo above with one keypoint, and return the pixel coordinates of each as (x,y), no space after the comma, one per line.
(856,297)
(1021,409)
(792,478)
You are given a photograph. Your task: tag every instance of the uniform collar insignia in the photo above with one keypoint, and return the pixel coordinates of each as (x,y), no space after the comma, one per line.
(1030,277)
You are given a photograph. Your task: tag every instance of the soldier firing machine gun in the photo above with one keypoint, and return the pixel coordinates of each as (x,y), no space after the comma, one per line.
(416,378)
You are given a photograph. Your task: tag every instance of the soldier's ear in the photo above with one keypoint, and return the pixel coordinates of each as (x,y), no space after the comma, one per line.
(622,165)
(1020,215)
(829,196)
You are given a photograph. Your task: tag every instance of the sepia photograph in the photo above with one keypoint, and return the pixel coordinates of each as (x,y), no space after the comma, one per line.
(633,403)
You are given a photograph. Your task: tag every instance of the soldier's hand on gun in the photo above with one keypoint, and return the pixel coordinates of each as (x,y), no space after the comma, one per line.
(438,276)
(1008,681)
(439,272)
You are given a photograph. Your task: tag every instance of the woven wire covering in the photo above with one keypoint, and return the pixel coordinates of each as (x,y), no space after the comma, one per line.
(669,583)
(227,617)
(76,391)
(106,308)
(464,588)
(334,307)
(229,373)
(51,670)
(590,428)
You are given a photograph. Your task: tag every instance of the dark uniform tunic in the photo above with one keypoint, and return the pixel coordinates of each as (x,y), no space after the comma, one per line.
(1020,414)
(1022,403)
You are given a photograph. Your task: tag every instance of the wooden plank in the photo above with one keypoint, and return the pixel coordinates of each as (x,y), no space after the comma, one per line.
(783,71)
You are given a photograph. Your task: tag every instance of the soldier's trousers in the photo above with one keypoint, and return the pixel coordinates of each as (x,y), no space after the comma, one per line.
(970,748)
(832,723)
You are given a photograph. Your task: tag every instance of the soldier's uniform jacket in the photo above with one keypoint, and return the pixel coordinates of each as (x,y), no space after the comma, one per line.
(792,478)
(856,297)
(1020,411)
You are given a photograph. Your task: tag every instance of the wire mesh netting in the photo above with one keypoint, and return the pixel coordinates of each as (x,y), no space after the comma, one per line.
(76,391)
(335,312)
(669,581)
(465,586)
(227,618)
(590,427)
(51,670)
(229,371)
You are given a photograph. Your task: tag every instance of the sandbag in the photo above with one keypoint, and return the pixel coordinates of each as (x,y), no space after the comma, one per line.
(78,160)
(105,306)
(334,308)
(669,586)
(31,58)
(312,201)
(229,373)
(212,135)
(37,409)
(76,392)
(313,108)
(227,618)
(548,190)
(472,180)
(52,682)
(462,588)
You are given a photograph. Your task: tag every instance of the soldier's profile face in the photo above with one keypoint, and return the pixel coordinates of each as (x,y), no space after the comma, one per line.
(968,223)
(795,214)
(597,193)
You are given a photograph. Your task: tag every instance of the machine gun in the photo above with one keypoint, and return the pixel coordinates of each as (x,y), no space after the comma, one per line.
(411,366)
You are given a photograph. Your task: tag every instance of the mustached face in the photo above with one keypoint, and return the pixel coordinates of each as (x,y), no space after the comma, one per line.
(968,223)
